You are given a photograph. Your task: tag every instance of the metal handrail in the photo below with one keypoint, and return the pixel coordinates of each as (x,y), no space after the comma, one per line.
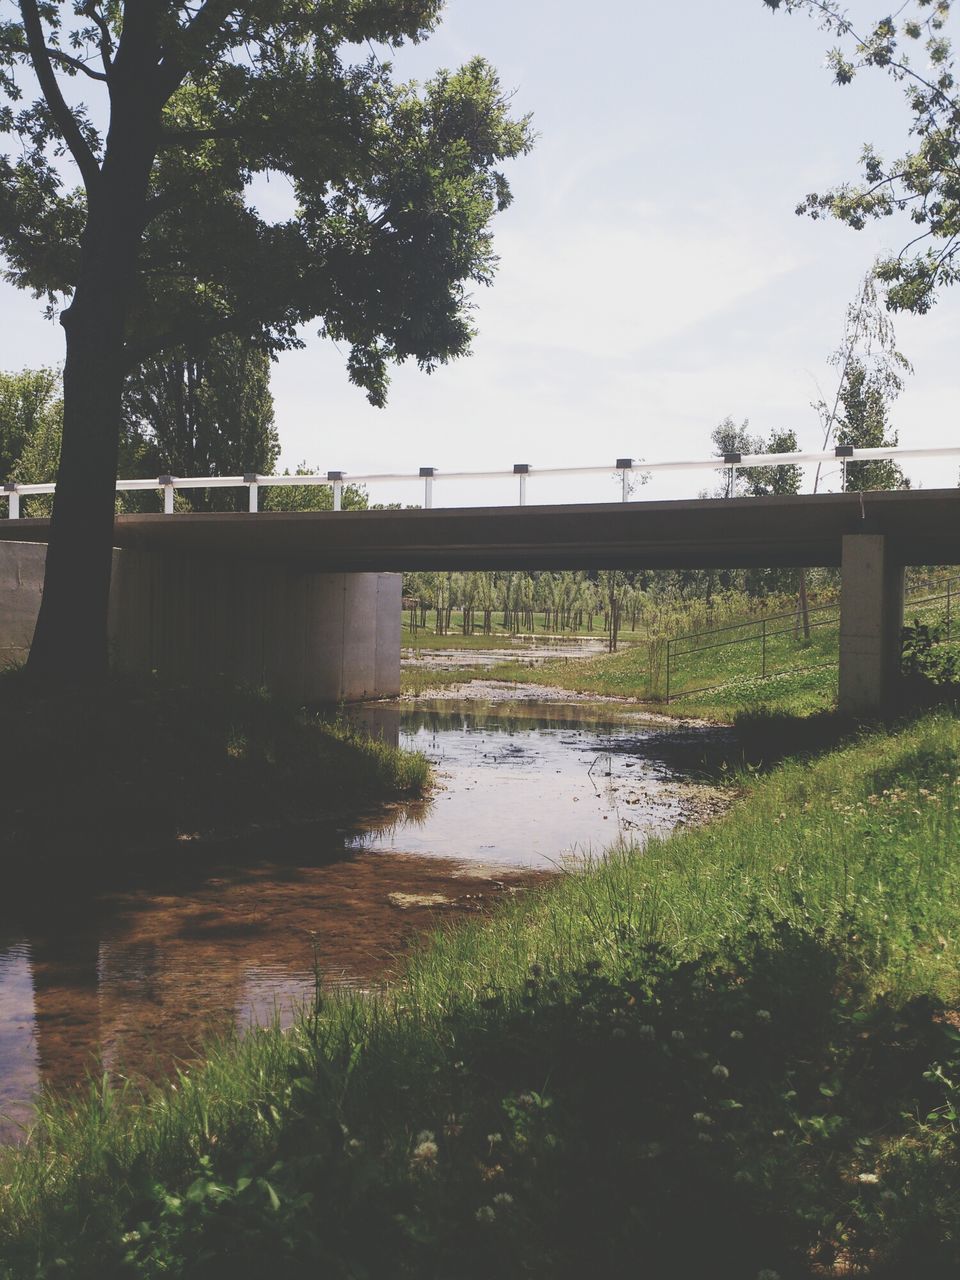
(521,472)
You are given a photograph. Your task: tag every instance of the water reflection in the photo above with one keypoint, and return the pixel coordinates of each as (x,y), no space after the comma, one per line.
(134,978)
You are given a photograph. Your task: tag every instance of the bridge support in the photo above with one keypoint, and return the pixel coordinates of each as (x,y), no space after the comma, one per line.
(309,637)
(871,619)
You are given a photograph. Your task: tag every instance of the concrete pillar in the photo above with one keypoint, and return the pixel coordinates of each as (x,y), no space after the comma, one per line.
(871,619)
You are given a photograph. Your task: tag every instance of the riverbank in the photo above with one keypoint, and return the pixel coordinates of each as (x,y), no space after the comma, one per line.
(138,764)
(749,1028)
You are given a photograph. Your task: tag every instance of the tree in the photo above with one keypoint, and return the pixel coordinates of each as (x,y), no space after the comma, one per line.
(923,182)
(865,425)
(728,438)
(311,497)
(206,413)
(160,246)
(31,430)
(870,343)
(29,405)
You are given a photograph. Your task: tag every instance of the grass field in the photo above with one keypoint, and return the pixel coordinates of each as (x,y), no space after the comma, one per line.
(733,1054)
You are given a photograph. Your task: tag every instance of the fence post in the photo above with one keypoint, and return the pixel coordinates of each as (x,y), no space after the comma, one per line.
(668,671)
(250,480)
(13,501)
(336,479)
(763,643)
(166,483)
(522,469)
(428,474)
(948,608)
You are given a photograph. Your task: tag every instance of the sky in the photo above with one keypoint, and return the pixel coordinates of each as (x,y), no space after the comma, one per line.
(653,276)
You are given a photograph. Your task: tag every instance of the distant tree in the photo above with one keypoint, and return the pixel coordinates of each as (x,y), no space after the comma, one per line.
(311,497)
(206,412)
(870,342)
(923,182)
(786,478)
(865,425)
(30,402)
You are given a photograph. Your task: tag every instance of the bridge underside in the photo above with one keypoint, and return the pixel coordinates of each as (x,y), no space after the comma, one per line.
(921,527)
(871,536)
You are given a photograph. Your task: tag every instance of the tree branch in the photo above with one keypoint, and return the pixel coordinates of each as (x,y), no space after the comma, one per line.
(64,117)
(57,55)
(194,38)
(106,36)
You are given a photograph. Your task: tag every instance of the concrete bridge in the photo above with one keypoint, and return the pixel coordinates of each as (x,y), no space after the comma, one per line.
(309,602)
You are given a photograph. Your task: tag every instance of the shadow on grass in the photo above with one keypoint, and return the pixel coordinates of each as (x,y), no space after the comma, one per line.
(718,1117)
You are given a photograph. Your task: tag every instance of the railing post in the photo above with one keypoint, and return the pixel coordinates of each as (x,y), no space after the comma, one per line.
(428,474)
(948,608)
(336,479)
(166,483)
(668,671)
(730,461)
(250,480)
(13,501)
(522,469)
(623,466)
(843,452)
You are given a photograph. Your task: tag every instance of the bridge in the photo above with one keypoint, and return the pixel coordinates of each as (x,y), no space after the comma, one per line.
(309,602)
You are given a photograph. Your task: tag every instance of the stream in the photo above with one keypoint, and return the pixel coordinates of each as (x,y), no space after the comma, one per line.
(135,978)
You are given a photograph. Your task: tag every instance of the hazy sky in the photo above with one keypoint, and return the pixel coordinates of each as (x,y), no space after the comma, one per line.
(653,276)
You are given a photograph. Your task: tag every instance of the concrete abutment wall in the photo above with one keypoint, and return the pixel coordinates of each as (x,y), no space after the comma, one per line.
(307,636)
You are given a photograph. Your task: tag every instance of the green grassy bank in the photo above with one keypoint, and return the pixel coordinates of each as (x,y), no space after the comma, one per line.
(138,761)
(732,1054)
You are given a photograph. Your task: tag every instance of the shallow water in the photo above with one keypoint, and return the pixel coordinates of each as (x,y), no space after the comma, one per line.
(131,979)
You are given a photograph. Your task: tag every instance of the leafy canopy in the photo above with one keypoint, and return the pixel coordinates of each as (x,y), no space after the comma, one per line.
(393,185)
(913,48)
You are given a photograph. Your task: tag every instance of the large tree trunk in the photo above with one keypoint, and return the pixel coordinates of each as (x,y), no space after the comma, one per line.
(70,640)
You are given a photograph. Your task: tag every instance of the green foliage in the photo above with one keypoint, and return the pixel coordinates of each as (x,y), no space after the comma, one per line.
(312,497)
(30,414)
(741,1023)
(922,183)
(203,413)
(865,425)
(394,186)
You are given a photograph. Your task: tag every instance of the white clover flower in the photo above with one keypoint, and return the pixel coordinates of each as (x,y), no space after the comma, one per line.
(486,1213)
(869,1179)
(701,1118)
(720,1071)
(736,1035)
(426,1135)
(646,1032)
(503,1198)
(426,1152)
(354,1145)
(494,1138)
(778,1133)
(131,1237)
(763,1015)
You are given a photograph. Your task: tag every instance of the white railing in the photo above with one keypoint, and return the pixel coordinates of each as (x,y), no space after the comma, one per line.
(731,463)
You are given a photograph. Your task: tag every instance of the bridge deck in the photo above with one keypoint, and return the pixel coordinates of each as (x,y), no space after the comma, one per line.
(922,527)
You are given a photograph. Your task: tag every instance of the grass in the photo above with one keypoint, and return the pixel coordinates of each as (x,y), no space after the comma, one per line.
(139,761)
(745,1029)
(786,674)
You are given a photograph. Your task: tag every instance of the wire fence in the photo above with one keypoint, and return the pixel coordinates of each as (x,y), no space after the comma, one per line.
(784,643)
